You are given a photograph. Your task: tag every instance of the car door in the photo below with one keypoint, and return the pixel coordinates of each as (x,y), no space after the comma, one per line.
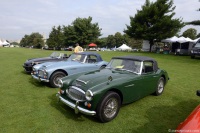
(90,63)
(148,78)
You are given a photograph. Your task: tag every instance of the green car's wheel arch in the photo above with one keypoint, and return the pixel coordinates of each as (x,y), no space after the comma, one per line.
(160,86)
(55,77)
(108,107)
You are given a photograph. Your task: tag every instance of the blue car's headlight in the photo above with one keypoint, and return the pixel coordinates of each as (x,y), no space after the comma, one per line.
(89,95)
(42,73)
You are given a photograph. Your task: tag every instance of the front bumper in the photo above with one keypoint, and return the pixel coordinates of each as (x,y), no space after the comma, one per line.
(40,79)
(76,106)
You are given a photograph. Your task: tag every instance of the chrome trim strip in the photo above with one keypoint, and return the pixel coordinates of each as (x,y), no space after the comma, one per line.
(130,85)
(82,81)
(75,106)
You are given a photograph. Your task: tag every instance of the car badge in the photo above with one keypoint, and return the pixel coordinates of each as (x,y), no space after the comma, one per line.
(109,79)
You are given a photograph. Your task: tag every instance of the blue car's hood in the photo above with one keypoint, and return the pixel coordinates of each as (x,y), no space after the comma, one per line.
(60,64)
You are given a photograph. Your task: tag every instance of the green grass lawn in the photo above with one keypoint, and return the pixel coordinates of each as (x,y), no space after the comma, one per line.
(27,105)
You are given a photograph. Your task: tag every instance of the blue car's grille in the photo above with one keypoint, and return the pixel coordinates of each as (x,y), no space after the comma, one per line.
(76,93)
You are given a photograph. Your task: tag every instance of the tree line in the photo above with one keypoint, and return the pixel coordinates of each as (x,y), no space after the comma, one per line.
(155,21)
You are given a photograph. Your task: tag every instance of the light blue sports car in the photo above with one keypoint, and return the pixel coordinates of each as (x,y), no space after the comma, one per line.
(77,63)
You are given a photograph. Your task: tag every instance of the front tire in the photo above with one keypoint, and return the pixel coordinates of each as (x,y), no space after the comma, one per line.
(55,77)
(160,86)
(109,107)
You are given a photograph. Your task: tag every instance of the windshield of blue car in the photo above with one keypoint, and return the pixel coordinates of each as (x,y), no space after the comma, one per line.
(55,55)
(197,45)
(125,64)
(78,57)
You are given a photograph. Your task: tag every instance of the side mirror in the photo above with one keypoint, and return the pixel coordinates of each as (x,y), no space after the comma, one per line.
(198,92)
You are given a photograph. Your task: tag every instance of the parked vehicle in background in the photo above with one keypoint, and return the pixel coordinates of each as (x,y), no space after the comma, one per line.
(195,51)
(102,92)
(54,57)
(77,63)
(192,122)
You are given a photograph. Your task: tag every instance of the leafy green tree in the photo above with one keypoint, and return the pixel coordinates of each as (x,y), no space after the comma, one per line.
(14,43)
(111,42)
(34,40)
(101,42)
(70,35)
(119,39)
(191,33)
(24,41)
(56,37)
(198,35)
(154,21)
(195,22)
(82,31)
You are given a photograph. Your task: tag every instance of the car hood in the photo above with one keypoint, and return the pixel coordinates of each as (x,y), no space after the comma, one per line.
(102,77)
(39,59)
(59,64)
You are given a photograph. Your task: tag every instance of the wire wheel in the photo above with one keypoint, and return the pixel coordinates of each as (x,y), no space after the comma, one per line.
(111,107)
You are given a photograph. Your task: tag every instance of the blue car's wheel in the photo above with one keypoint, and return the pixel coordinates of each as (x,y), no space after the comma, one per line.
(55,78)
(109,107)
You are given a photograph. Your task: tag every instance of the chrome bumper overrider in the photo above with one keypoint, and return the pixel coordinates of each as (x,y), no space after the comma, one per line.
(76,106)
(40,79)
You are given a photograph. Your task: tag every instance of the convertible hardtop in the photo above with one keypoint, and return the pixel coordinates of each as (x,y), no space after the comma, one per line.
(139,58)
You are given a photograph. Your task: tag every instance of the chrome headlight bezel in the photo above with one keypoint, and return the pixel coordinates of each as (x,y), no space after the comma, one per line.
(89,95)
(60,83)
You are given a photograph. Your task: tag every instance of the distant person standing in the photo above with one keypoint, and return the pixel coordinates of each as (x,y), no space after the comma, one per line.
(78,48)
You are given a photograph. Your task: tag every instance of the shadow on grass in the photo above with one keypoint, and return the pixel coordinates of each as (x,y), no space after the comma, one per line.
(38,83)
(69,112)
(166,118)
(23,72)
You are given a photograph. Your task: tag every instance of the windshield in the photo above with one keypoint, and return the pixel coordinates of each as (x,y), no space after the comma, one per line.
(197,45)
(77,57)
(125,64)
(55,55)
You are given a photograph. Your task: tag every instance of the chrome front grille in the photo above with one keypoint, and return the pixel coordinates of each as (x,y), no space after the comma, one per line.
(76,93)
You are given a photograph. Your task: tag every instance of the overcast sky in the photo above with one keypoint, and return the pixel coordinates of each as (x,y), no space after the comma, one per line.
(20,17)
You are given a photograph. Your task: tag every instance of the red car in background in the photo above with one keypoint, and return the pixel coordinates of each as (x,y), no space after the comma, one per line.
(192,123)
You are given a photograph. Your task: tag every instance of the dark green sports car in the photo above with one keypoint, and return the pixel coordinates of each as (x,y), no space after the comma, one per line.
(102,92)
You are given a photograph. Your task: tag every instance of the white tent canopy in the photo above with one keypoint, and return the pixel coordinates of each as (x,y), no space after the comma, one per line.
(124,47)
(179,39)
(1,43)
(172,39)
(4,43)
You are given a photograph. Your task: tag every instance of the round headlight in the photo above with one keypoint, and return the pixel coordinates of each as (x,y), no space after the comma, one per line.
(60,83)
(88,95)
